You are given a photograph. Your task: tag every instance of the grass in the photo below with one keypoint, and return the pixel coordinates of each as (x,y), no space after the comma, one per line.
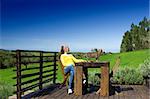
(6,83)
(130,59)
(127,59)
(5,89)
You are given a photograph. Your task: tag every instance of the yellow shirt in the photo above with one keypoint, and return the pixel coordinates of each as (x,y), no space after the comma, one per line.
(69,59)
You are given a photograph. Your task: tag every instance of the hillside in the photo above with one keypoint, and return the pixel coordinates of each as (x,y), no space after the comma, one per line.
(127,59)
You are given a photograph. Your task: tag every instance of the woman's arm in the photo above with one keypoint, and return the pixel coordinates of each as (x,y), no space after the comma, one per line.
(77,60)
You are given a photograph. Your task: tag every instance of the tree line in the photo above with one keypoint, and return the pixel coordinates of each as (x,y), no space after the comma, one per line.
(137,38)
(8,58)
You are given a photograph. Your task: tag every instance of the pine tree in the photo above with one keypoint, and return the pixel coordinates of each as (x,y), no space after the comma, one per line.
(137,38)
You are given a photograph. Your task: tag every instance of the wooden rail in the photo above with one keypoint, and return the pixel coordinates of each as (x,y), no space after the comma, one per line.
(37,72)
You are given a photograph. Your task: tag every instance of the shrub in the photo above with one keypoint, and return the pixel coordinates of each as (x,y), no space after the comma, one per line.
(95,80)
(5,90)
(145,67)
(6,59)
(128,76)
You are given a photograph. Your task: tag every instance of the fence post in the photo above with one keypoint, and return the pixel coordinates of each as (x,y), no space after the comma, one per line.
(41,70)
(18,66)
(105,80)
(55,60)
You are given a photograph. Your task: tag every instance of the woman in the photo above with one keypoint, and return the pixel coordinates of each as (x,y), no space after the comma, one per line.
(68,61)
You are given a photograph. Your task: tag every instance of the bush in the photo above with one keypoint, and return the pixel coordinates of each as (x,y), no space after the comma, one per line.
(128,76)
(94,80)
(145,67)
(5,90)
(6,59)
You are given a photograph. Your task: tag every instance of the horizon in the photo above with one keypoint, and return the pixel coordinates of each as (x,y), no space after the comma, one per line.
(82,25)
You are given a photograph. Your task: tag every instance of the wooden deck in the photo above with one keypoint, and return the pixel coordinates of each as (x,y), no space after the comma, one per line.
(124,92)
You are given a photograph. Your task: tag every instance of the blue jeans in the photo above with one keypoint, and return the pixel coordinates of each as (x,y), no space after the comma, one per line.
(70,69)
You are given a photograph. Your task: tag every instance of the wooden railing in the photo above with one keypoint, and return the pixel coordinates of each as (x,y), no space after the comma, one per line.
(33,74)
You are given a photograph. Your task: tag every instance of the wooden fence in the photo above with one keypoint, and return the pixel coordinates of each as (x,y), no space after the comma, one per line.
(41,69)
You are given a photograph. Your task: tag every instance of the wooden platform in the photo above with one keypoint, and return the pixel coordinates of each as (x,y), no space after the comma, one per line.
(124,92)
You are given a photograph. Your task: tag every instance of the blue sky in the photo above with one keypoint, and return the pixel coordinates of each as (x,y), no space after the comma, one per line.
(81,24)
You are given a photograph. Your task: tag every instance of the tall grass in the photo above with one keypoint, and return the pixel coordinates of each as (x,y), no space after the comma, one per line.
(6,89)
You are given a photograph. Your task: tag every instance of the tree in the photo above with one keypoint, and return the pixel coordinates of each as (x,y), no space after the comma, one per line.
(137,37)
(6,59)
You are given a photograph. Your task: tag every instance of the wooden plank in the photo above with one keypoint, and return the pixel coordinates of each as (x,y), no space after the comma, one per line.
(85,96)
(18,66)
(41,71)
(49,66)
(55,69)
(116,96)
(135,92)
(105,80)
(62,94)
(49,56)
(125,93)
(86,75)
(49,61)
(92,64)
(29,81)
(58,93)
(69,96)
(49,52)
(31,56)
(145,92)
(31,68)
(138,93)
(78,97)
(29,87)
(51,89)
(50,94)
(29,75)
(91,96)
(30,62)
(29,50)
(48,75)
(96,96)
(35,51)
(47,80)
(46,71)
(78,80)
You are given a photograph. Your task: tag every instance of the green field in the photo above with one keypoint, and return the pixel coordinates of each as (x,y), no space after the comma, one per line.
(128,59)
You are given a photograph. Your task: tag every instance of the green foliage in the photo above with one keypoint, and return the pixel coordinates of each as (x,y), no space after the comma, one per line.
(137,38)
(6,89)
(145,67)
(6,59)
(94,80)
(128,76)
